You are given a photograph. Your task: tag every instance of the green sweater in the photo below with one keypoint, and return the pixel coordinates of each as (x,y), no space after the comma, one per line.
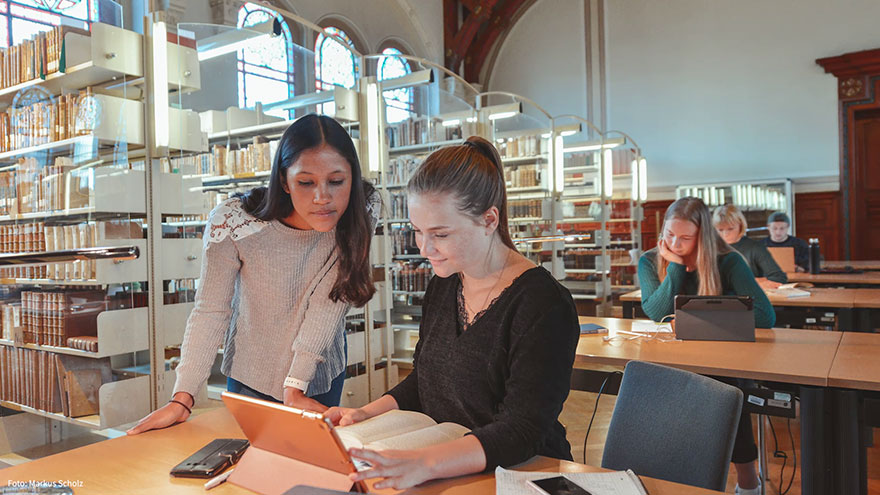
(658,299)
(760,260)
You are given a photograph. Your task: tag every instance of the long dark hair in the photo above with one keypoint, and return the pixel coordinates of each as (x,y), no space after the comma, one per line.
(473,173)
(354,284)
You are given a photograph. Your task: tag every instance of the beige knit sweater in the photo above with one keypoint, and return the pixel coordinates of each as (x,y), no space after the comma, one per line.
(264,290)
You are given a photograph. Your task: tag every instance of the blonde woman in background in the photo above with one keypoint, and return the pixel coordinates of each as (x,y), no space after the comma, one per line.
(692,259)
(731,226)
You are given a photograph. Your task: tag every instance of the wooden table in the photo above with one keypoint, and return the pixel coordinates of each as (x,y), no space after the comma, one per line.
(140,465)
(865,279)
(801,357)
(795,312)
(833,448)
(857,362)
(869,265)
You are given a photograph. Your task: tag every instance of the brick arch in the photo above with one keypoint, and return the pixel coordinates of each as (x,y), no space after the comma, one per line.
(469,44)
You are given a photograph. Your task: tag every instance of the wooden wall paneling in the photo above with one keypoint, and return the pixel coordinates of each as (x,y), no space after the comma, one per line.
(818,215)
(654,211)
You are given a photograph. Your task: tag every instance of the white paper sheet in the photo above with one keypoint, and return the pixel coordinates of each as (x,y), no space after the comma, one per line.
(648,326)
(610,483)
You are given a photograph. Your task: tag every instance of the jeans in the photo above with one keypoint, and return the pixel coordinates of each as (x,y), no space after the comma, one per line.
(329,398)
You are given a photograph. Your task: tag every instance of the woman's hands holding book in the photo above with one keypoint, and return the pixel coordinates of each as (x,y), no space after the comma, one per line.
(400,469)
(403,469)
(344,416)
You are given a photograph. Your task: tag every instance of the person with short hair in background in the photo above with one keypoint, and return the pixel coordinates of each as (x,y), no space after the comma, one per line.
(779,224)
(731,226)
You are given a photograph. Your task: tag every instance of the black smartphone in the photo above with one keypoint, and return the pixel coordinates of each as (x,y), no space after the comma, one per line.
(558,485)
(211,459)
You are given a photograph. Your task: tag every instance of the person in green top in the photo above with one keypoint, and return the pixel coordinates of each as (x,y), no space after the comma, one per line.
(731,226)
(691,258)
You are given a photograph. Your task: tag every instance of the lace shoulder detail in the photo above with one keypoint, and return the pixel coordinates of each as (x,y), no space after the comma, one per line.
(229,219)
(374,207)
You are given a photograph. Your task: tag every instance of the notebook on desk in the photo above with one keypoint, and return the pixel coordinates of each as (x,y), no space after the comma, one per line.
(714,318)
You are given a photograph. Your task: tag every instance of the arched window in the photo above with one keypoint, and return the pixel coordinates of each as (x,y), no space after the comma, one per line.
(335,65)
(265,69)
(22,19)
(398,102)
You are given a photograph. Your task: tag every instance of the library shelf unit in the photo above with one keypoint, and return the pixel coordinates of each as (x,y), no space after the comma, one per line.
(756,199)
(75,178)
(424,108)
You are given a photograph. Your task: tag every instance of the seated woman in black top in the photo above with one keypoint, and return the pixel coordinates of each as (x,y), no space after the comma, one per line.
(497,337)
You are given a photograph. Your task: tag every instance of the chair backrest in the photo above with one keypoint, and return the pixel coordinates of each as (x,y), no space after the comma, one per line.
(784,257)
(673,425)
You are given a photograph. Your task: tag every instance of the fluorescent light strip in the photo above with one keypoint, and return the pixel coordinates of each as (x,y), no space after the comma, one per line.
(501,115)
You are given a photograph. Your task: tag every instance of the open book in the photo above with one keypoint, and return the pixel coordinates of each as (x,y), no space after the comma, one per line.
(789,290)
(509,482)
(399,430)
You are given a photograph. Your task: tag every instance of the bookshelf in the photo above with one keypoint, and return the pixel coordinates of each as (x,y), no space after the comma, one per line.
(435,111)
(522,133)
(756,199)
(72,175)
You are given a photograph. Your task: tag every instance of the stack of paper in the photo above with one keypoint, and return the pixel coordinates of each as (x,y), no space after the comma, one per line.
(608,483)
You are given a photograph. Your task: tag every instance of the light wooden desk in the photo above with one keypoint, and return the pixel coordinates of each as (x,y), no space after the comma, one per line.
(801,357)
(865,279)
(824,297)
(140,465)
(856,364)
(830,423)
(794,312)
(869,265)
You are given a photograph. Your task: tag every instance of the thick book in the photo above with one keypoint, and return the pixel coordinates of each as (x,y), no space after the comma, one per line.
(399,430)
(789,290)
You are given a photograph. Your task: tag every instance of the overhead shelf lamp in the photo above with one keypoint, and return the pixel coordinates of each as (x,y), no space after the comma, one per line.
(232,40)
(595,145)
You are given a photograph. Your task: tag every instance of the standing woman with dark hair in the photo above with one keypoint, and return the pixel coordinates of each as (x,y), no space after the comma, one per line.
(282,265)
(497,337)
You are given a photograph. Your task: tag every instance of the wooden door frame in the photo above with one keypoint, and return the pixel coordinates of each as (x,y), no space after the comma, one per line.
(858,85)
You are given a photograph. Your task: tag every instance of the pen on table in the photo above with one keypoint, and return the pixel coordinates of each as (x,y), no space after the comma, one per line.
(217,480)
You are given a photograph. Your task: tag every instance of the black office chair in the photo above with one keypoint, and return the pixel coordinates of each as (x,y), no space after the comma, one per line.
(673,425)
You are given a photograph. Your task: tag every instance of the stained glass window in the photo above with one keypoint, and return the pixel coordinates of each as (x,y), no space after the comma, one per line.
(22,19)
(398,102)
(265,69)
(335,65)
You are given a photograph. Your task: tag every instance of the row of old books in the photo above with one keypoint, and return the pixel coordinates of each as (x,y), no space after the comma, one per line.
(63,318)
(424,130)
(34,58)
(39,237)
(256,157)
(522,146)
(31,187)
(68,115)
(401,168)
(52,382)
(413,277)
(523,176)
(525,208)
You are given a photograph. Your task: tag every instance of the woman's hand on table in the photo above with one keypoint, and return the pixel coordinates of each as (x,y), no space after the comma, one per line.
(294,397)
(168,415)
(400,469)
